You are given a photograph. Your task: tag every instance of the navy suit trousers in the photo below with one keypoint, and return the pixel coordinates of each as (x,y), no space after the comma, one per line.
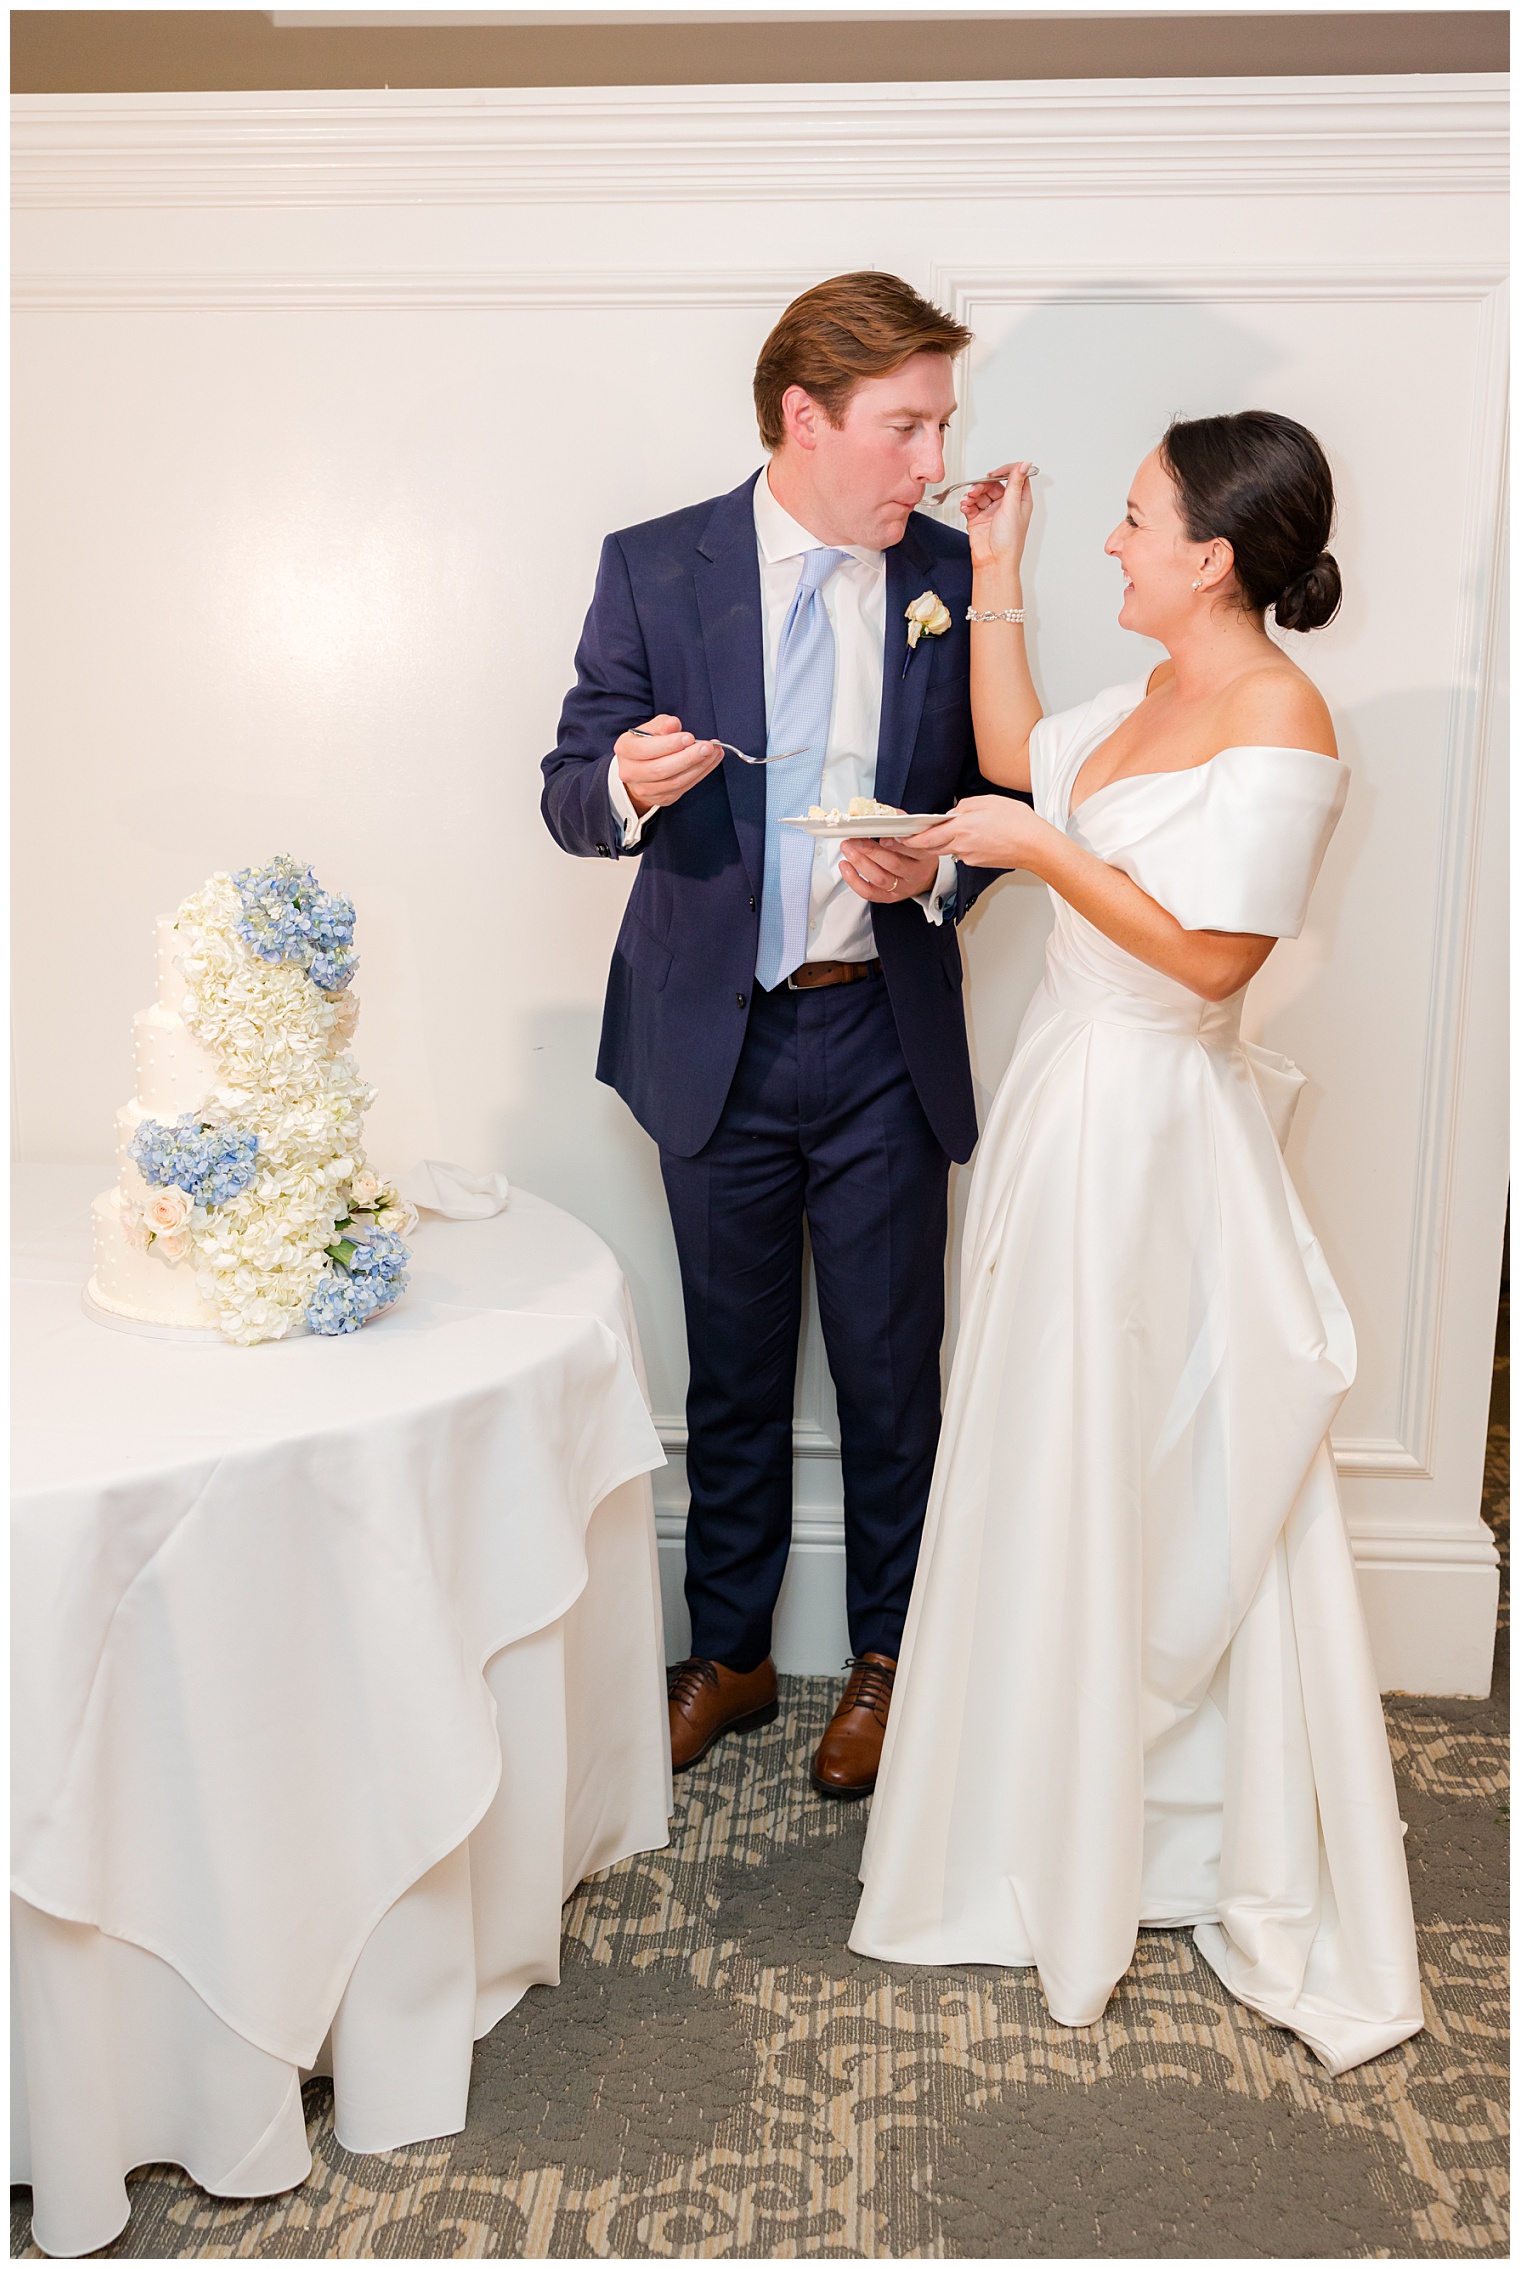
(821,1121)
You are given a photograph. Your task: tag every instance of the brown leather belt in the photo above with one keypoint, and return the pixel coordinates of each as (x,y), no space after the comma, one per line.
(809,975)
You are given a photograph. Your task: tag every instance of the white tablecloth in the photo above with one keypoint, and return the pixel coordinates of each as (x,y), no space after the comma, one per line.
(327,1689)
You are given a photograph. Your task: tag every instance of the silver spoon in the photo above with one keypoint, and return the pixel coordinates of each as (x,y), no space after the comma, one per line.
(780,757)
(941,494)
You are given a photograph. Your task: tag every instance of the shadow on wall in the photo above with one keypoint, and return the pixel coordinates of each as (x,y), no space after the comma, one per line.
(1086,383)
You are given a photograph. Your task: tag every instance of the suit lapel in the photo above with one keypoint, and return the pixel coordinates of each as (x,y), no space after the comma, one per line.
(909,565)
(728,606)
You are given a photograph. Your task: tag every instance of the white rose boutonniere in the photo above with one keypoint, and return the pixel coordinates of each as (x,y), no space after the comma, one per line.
(928,616)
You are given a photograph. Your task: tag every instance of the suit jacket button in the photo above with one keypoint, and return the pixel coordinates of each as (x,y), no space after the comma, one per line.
(739,997)
(752,905)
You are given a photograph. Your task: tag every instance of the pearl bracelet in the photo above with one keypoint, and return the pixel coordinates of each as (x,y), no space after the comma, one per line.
(994,614)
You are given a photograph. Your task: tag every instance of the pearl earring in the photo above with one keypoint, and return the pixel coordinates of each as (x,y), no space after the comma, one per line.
(1197,586)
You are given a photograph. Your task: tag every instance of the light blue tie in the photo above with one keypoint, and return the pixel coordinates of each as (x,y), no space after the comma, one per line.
(800,702)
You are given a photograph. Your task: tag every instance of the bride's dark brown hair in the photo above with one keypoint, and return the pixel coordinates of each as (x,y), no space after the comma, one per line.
(1263,483)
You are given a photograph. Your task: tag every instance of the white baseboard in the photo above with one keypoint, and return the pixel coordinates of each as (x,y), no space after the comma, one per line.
(811,1634)
(1432,1626)
(1431,1618)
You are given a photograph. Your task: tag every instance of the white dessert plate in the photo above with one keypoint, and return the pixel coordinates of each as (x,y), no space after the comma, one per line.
(878,827)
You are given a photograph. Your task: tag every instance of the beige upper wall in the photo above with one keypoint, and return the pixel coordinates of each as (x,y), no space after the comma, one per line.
(146,51)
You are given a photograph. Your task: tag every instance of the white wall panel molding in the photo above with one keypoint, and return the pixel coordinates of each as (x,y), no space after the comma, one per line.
(1436,1546)
(127,291)
(822,1530)
(1433,1545)
(554,146)
(809,1438)
(963,289)
(1468,754)
(1407,1453)
(289,291)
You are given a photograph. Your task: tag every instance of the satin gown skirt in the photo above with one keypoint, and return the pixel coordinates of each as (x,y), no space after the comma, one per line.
(1136,1687)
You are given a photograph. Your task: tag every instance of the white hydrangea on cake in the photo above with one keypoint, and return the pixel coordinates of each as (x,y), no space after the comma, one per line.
(259,1190)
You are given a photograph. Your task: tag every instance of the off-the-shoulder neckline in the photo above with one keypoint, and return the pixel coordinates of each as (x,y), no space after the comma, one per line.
(1187,771)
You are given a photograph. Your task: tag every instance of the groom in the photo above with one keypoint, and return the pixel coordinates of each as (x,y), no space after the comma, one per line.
(784,1017)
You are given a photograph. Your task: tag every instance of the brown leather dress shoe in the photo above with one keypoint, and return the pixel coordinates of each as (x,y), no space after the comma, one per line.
(850,1752)
(707,1701)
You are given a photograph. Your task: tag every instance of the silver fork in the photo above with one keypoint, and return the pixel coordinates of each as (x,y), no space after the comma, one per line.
(779,758)
(940,494)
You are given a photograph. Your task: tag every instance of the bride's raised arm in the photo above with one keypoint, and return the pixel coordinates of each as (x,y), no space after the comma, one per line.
(1004,705)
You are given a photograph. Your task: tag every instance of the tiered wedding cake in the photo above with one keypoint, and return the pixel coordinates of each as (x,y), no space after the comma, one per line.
(243,1201)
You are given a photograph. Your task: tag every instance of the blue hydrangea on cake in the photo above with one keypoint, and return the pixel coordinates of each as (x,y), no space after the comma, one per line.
(244,1200)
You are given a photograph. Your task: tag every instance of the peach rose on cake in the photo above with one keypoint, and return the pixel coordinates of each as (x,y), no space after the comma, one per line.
(166,1211)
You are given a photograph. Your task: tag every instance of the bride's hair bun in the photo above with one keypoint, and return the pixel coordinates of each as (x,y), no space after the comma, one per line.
(1263,483)
(1310,600)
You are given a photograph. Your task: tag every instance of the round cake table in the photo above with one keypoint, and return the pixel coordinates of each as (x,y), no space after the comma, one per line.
(337,1665)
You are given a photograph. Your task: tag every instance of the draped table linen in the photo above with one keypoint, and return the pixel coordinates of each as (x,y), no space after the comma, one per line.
(327,1689)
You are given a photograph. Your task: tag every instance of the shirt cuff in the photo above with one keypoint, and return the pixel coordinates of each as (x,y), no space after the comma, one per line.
(939,898)
(622,805)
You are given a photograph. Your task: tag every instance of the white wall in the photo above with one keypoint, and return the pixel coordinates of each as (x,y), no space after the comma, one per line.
(323,404)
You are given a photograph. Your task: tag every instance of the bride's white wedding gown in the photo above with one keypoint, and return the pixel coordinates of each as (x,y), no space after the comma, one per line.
(1135,1684)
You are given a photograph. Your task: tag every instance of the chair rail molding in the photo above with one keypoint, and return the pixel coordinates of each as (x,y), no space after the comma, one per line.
(425,291)
(555,146)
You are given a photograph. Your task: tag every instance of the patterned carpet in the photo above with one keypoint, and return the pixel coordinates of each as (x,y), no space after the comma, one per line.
(718,2077)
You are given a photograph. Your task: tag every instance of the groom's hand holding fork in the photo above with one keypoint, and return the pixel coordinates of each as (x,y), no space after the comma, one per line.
(658,762)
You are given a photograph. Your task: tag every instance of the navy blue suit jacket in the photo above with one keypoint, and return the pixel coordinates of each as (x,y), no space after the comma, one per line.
(675,627)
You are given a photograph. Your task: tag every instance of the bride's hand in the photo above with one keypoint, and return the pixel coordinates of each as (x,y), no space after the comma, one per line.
(986,831)
(997,515)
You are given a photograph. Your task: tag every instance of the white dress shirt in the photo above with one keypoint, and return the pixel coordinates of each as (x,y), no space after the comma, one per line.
(855,597)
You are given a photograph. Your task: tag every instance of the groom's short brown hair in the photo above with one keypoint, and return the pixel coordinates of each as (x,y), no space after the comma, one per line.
(852,327)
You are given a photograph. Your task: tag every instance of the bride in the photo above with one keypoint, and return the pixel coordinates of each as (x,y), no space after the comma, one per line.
(1136,1689)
